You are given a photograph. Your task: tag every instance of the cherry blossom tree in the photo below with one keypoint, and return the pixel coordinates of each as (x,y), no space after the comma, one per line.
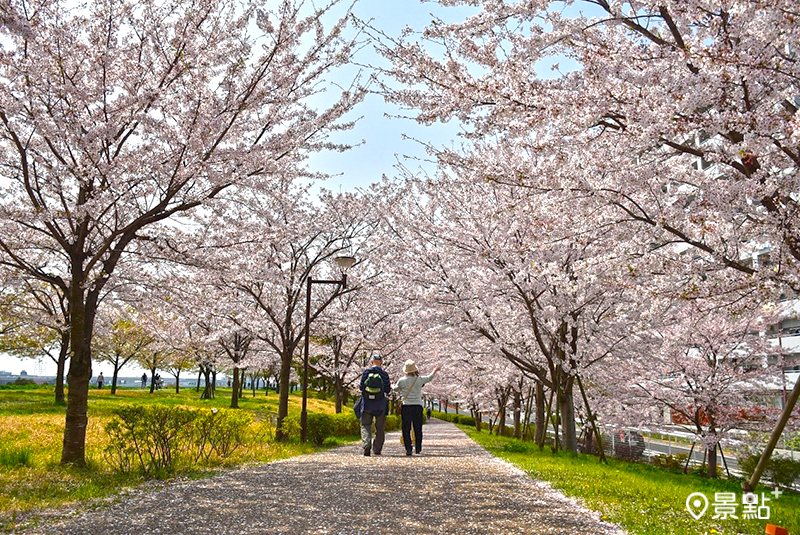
(259,267)
(707,367)
(120,339)
(118,116)
(498,262)
(35,322)
(681,117)
(206,354)
(177,363)
(378,318)
(168,317)
(236,346)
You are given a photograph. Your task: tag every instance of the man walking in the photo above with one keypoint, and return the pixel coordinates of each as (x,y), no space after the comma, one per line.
(375,385)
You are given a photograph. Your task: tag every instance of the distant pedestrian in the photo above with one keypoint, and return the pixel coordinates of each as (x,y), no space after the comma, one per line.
(374,386)
(100,380)
(428,412)
(144,380)
(410,388)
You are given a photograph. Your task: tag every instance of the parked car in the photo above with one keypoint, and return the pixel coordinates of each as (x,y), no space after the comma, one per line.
(624,444)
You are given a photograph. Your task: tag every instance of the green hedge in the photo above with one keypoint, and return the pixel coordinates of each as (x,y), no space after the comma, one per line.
(322,426)
(24,384)
(463,419)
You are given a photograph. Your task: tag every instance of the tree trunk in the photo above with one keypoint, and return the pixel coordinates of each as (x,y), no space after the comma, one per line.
(82,314)
(283,395)
(199,374)
(526,415)
(178,382)
(501,425)
(74,445)
(517,414)
(152,379)
(114,378)
(235,391)
(589,441)
(712,451)
(338,393)
(541,424)
(557,422)
(567,409)
(61,364)
(208,390)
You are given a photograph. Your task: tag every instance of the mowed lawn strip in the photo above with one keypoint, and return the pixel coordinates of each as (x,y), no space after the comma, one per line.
(642,499)
(31,432)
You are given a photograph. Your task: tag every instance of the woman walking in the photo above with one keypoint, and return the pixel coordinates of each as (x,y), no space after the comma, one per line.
(410,388)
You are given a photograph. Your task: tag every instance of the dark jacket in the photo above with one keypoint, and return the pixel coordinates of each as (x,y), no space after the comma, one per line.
(376,406)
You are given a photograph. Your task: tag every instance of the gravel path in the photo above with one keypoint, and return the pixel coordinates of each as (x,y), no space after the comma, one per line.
(455,486)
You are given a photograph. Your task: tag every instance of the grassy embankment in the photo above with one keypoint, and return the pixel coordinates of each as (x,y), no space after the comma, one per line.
(31,431)
(641,498)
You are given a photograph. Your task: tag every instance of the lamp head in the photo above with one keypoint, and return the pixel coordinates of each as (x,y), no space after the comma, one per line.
(345,262)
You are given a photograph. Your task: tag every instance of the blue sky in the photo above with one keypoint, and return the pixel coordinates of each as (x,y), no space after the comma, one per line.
(385,136)
(384,144)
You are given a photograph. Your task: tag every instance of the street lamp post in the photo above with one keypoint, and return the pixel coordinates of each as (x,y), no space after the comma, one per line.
(343,262)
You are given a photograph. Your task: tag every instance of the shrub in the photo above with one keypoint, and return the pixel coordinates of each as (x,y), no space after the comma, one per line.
(291,427)
(22,381)
(393,422)
(782,471)
(25,384)
(13,457)
(346,424)
(463,419)
(320,394)
(674,463)
(322,426)
(155,440)
(148,437)
(507,431)
(219,433)
(516,446)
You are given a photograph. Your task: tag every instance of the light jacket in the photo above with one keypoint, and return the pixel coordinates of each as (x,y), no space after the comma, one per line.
(411,391)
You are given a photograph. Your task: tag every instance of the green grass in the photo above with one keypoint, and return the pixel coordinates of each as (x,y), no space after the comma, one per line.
(31,432)
(14,456)
(642,499)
